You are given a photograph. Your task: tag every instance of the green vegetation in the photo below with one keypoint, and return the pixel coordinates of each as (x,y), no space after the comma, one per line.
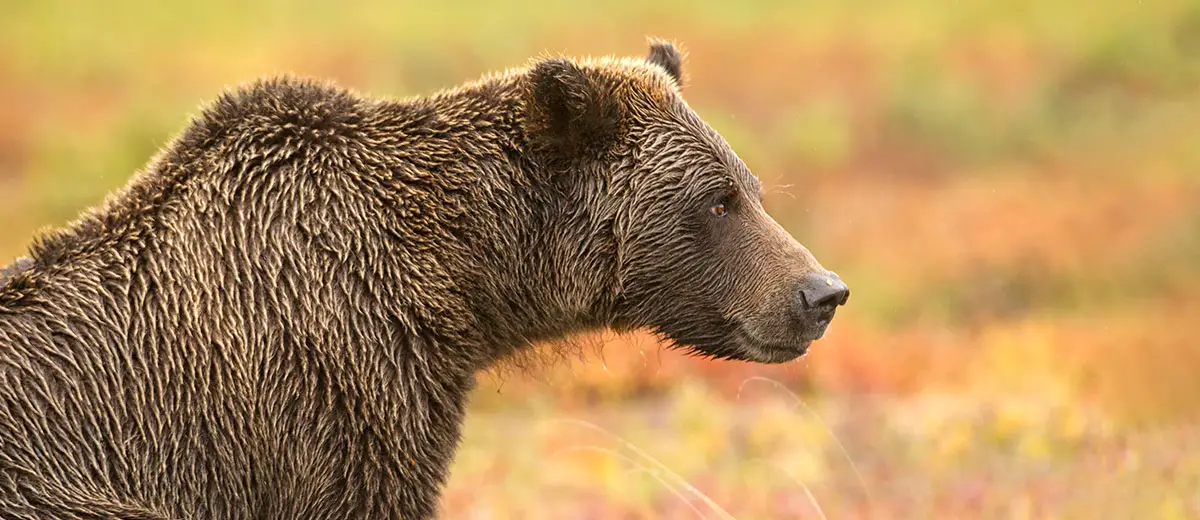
(1012,189)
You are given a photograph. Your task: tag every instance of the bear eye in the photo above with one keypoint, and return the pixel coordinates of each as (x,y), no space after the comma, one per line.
(721,204)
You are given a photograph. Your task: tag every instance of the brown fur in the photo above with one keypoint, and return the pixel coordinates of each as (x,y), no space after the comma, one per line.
(281,317)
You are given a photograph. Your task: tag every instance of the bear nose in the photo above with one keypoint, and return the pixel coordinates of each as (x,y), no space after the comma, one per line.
(823,289)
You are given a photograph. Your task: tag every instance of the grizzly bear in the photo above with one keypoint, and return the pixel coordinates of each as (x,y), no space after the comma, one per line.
(282,315)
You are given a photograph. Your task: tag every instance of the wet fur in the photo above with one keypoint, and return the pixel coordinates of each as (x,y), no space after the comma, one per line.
(283,314)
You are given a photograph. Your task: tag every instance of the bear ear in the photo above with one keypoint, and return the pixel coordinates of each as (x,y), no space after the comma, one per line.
(665,55)
(570,114)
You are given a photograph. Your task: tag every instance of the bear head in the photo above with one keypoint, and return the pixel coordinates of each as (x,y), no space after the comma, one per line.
(694,255)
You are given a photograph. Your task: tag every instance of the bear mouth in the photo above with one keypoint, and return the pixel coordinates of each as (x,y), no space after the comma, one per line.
(763,351)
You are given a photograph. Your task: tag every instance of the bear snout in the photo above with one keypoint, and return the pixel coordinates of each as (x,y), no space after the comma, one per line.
(818,295)
(822,290)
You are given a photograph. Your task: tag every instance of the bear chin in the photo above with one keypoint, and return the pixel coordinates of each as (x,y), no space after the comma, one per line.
(739,348)
(772,354)
(753,349)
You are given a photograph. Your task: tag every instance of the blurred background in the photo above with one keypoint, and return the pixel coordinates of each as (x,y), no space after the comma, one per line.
(1011,188)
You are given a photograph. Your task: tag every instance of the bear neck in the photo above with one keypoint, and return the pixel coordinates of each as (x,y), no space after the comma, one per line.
(542,266)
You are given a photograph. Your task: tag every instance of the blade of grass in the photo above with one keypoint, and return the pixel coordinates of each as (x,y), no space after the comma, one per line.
(721,512)
(638,467)
(800,402)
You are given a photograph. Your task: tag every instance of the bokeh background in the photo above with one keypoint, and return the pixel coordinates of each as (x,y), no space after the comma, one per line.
(1011,188)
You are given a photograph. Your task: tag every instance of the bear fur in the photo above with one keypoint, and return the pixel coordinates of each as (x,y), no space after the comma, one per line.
(283,314)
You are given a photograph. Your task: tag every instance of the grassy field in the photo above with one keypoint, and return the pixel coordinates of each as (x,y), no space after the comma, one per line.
(1012,189)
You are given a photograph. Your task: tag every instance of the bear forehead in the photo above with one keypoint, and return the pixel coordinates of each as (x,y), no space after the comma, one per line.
(631,68)
(634,73)
(628,74)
